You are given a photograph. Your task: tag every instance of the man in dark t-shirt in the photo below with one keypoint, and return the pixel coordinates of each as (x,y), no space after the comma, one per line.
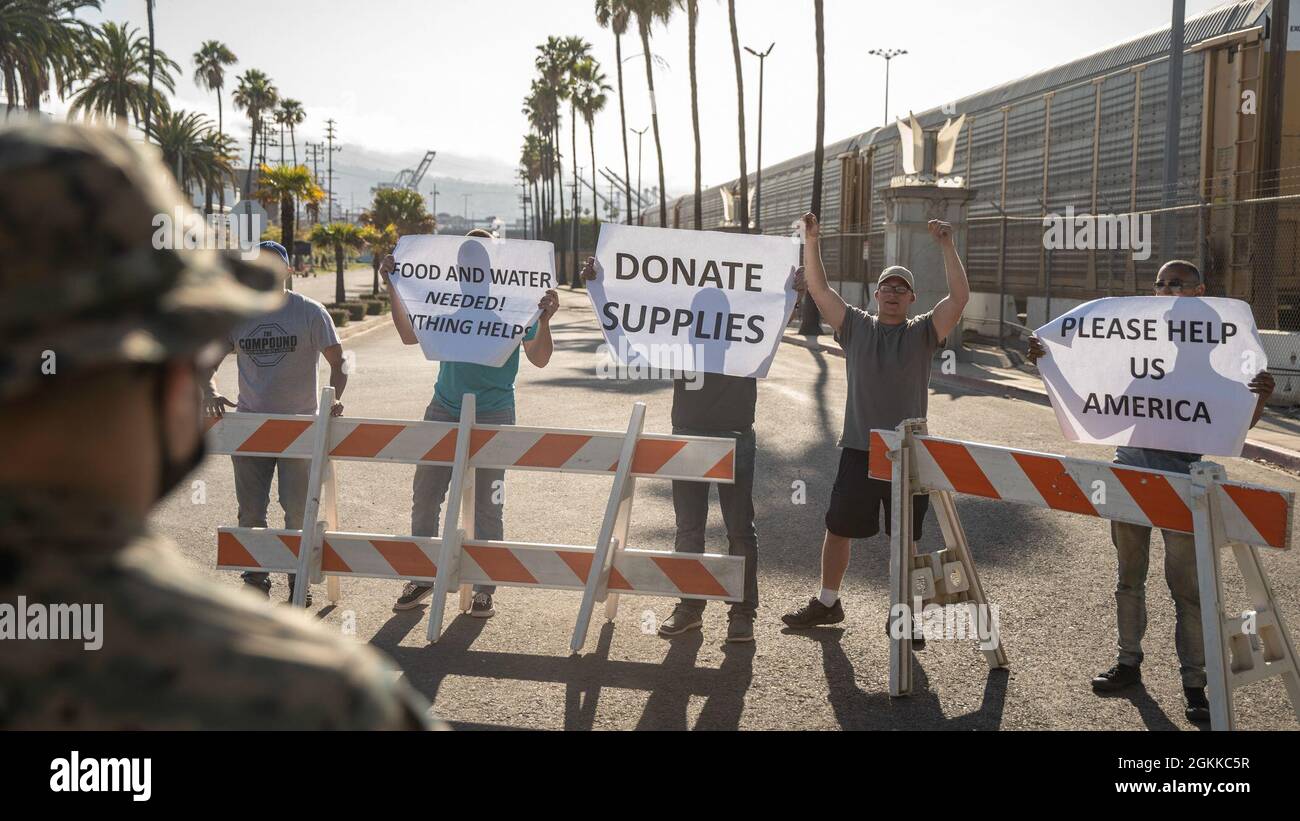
(712,404)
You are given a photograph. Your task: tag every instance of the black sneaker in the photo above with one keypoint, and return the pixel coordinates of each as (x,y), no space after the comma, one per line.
(259,582)
(682,619)
(1117,678)
(814,613)
(306,603)
(918,638)
(1198,707)
(412,595)
(482,606)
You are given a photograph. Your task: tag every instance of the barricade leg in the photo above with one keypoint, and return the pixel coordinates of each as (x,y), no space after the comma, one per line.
(954,536)
(621,528)
(618,511)
(900,556)
(330,513)
(1208,533)
(1276,652)
(453,535)
(309,546)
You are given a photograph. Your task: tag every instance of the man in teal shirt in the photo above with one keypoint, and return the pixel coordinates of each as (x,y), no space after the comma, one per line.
(494,399)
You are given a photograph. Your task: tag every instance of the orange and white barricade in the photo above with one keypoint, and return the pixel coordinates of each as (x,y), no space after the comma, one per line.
(454,559)
(1217,512)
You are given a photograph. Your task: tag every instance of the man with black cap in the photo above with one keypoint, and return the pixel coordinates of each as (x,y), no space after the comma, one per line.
(277,354)
(102,342)
(887,359)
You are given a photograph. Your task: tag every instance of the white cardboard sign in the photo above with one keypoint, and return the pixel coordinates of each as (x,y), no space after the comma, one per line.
(1160,372)
(471,299)
(695,301)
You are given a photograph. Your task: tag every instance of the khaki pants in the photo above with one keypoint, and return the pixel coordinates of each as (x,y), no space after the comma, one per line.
(1133,545)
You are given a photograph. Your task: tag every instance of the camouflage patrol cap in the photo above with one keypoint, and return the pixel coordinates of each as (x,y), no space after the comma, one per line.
(80,275)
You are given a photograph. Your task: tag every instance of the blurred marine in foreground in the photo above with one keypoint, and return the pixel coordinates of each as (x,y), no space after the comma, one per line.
(102,336)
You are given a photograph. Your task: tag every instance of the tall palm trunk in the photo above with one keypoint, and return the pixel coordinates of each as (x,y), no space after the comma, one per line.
(693,16)
(340,293)
(281,143)
(559,170)
(577,184)
(252,153)
(591,139)
(742,213)
(148,105)
(644,27)
(294,141)
(622,119)
(812,320)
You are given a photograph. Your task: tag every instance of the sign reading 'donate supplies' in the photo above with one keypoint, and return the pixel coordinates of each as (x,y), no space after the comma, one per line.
(471,299)
(694,301)
(1158,372)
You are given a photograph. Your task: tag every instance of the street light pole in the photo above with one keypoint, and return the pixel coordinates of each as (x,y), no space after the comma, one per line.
(639,135)
(888,54)
(758,182)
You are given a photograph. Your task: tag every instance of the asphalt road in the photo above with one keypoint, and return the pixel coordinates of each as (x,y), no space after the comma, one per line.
(1052,575)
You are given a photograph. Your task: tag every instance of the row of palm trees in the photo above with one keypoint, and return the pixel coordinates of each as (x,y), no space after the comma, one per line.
(540,163)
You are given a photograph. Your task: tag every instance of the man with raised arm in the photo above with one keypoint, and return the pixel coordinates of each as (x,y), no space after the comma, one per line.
(887,359)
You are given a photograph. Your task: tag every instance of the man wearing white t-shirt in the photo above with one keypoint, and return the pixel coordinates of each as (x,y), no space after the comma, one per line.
(277,355)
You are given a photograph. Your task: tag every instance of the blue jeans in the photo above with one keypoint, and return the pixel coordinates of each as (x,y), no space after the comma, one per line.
(691,505)
(253,493)
(431,483)
(1133,544)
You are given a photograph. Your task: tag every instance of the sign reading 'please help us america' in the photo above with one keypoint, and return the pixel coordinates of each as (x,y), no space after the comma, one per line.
(1162,372)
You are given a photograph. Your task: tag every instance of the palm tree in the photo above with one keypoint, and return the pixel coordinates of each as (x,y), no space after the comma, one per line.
(693,17)
(42,41)
(215,166)
(182,136)
(286,185)
(811,323)
(400,207)
(531,158)
(290,114)
(256,96)
(210,63)
(381,243)
(614,15)
(337,236)
(552,65)
(117,83)
(589,92)
(647,12)
(742,213)
(148,111)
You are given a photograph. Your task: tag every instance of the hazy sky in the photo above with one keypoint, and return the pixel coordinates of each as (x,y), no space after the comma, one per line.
(406,75)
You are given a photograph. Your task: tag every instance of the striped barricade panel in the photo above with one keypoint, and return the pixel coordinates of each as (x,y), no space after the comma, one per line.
(1251,514)
(491,446)
(508,564)
(257,548)
(636,572)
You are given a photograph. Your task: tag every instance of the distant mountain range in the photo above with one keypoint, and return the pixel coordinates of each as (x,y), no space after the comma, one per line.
(492,185)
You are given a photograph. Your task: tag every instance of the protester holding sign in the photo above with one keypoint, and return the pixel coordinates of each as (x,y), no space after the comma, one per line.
(277,355)
(474,333)
(1193,328)
(887,359)
(702,301)
(715,404)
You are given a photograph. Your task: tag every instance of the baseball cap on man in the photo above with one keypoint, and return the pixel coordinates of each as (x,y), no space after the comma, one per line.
(272,245)
(88,272)
(896,271)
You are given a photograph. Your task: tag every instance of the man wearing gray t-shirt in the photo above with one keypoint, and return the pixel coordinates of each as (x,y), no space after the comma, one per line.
(887,357)
(277,355)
